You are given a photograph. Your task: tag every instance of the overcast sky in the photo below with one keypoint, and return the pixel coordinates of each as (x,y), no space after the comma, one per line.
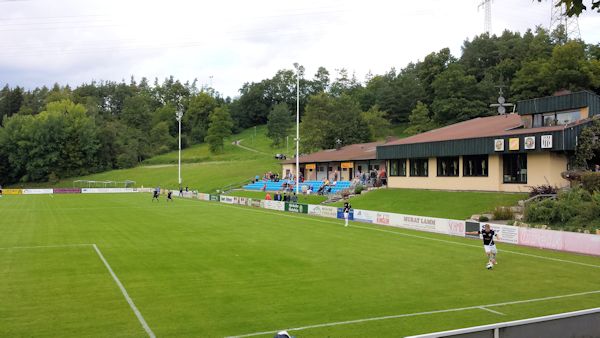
(226,43)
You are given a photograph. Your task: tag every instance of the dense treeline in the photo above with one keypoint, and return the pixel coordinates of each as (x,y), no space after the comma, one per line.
(52,133)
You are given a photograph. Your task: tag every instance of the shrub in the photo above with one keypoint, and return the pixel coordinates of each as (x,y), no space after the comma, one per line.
(590,181)
(545,189)
(540,212)
(503,213)
(483,218)
(358,189)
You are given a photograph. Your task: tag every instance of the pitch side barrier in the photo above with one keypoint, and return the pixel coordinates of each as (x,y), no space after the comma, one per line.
(73,191)
(584,323)
(539,238)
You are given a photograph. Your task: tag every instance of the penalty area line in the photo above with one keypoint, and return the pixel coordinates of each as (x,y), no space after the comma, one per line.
(476,307)
(137,312)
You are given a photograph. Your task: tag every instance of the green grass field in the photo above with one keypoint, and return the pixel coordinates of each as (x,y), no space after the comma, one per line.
(433,203)
(200,269)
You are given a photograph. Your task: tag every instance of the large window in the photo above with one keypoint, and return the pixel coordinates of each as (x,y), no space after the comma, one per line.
(476,165)
(398,167)
(419,167)
(553,119)
(515,168)
(447,166)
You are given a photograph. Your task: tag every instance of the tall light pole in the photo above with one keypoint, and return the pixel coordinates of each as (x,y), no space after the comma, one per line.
(297,127)
(178,116)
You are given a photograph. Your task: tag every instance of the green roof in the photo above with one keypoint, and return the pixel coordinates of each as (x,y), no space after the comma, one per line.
(560,103)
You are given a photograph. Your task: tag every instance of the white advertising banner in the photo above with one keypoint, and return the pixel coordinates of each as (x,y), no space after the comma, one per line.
(203,196)
(323,211)
(107,190)
(273,205)
(37,191)
(227,199)
(366,216)
(422,223)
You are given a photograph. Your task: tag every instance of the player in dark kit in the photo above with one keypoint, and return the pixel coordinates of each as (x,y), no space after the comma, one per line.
(347,208)
(169,196)
(488,242)
(156,194)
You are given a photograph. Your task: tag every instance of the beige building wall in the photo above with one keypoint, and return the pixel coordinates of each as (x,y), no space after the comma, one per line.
(542,168)
(286,167)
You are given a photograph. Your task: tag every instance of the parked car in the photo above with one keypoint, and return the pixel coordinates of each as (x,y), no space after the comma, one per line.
(280,156)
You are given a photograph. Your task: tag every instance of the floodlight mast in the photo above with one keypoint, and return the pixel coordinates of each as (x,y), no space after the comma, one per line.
(297,66)
(179,115)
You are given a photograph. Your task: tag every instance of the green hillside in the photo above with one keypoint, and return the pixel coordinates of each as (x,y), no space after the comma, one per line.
(200,170)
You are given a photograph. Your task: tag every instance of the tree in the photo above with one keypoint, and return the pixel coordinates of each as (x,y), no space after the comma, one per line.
(280,122)
(420,120)
(376,120)
(576,7)
(196,116)
(328,119)
(588,146)
(219,128)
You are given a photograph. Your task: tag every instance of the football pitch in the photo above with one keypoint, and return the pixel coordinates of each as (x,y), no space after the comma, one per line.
(122,266)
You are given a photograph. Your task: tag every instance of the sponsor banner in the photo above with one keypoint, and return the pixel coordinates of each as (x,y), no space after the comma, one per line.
(366,216)
(546,239)
(242,201)
(107,190)
(255,203)
(37,191)
(297,208)
(12,191)
(383,218)
(145,189)
(203,196)
(227,199)
(416,222)
(340,214)
(273,205)
(582,243)
(456,228)
(66,191)
(323,211)
(214,198)
(188,194)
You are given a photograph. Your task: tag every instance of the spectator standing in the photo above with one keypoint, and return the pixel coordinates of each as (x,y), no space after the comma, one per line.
(268,197)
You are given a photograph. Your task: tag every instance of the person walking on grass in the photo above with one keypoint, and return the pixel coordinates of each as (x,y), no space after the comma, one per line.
(488,242)
(347,208)
(169,196)
(156,194)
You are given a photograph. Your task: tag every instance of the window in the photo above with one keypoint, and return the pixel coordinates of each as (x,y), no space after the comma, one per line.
(537,120)
(515,168)
(567,117)
(553,119)
(398,167)
(476,165)
(447,166)
(419,167)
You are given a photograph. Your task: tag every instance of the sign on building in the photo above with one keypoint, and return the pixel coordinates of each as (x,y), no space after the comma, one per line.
(499,144)
(546,141)
(513,143)
(529,142)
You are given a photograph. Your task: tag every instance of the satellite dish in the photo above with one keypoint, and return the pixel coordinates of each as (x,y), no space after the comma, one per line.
(501,99)
(501,110)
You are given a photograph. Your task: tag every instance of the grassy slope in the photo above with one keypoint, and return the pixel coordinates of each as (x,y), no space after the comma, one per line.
(200,170)
(445,204)
(199,269)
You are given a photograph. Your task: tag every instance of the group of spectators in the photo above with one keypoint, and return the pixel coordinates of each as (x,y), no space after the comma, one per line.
(285,197)
(274,177)
(373,178)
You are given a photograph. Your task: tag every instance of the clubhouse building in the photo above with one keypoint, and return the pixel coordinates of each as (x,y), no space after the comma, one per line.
(498,153)
(510,152)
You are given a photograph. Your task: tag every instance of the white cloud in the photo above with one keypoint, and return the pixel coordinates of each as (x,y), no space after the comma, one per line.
(69,41)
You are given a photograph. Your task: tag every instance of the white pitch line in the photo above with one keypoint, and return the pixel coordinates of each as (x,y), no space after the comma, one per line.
(137,312)
(492,311)
(354,225)
(355,321)
(45,246)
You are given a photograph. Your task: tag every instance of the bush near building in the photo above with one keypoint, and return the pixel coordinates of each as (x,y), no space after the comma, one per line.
(574,210)
(590,181)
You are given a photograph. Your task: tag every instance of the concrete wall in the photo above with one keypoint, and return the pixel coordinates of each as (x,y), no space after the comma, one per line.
(542,168)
